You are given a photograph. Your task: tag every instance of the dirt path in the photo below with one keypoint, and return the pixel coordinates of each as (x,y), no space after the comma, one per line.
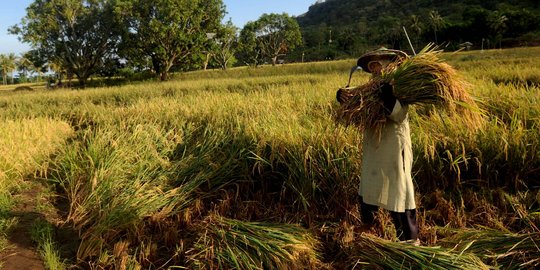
(21,252)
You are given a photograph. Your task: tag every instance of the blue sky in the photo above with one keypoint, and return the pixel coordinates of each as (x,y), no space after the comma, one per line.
(240,11)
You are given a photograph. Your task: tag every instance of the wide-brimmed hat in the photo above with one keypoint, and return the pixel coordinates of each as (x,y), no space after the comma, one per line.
(379,54)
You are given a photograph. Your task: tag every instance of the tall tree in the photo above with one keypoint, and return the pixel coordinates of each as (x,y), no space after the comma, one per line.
(8,63)
(3,68)
(436,22)
(497,24)
(169,32)
(249,49)
(273,34)
(78,34)
(39,62)
(24,65)
(417,27)
(224,44)
(277,34)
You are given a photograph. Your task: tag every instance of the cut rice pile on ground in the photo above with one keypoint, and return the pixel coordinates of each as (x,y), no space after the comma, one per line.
(375,253)
(423,80)
(502,249)
(227,242)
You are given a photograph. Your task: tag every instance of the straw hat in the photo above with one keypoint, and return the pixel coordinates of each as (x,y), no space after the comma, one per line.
(379,54)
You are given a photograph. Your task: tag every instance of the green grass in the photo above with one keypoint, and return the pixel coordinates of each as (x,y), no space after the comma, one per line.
(150,163)
(42,234)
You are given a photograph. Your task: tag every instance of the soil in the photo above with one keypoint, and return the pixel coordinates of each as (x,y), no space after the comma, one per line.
(21,252)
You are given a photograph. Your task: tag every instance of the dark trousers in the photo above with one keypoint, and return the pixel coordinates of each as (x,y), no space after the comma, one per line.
(406,224)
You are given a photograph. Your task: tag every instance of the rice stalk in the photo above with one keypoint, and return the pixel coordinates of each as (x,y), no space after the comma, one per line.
(504,249)
(376,253)
(233,244)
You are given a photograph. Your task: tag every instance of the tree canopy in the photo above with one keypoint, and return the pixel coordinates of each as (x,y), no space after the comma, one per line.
(270,36)
(7,64)
(77,35)
(168,32)
(108,37)
(223,45)
(357,26)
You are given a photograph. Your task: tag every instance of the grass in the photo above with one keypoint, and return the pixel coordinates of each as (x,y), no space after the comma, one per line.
(26,145)
(153,171)
(42,234)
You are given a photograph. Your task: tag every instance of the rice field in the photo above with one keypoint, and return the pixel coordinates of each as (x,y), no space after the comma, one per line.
(248,169)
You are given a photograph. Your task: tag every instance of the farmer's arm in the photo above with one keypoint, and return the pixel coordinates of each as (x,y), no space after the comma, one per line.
(343,95)
(394,110)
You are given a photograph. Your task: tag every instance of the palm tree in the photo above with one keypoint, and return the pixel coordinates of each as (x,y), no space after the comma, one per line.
(417,27)
(2,68)
(24,65)
(497,23)
(436,22)
(8,64)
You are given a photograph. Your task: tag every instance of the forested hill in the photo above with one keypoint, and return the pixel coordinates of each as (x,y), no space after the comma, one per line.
(337,27)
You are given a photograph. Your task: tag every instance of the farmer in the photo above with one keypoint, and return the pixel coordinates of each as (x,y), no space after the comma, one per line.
(386,179)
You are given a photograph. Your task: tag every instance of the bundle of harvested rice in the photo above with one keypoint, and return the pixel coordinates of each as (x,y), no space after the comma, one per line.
(421,80)
(377,253)
(426,79)
(234,244)
(502,249)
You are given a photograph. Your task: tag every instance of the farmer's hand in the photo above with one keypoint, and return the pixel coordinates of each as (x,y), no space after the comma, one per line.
(386,94)
(341,96)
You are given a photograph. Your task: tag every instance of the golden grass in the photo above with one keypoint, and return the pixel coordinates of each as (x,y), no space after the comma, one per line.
(25,144)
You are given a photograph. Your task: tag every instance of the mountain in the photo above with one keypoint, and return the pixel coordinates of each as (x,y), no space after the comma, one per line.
(340,28)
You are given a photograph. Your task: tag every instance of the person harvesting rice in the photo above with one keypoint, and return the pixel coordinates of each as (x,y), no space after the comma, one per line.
(386,179)
(380,110)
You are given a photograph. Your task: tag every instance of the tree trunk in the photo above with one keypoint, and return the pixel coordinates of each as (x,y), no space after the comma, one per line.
(157,65)
(274,60)
(205,64)
(163,75)
(82,81)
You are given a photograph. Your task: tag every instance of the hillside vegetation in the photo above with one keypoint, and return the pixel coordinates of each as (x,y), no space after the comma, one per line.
(247,169)
(337,28)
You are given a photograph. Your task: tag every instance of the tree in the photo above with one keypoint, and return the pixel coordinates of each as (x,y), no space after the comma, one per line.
(417,27)
(224,40)
(77,34)
(436,22)
(389,31)
(39,62)
(497,23)
(168,32)
(249,49)
(272,34)
(8,63)
(24,65)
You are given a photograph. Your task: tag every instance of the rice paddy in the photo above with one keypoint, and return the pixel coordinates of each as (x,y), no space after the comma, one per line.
(247,169)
